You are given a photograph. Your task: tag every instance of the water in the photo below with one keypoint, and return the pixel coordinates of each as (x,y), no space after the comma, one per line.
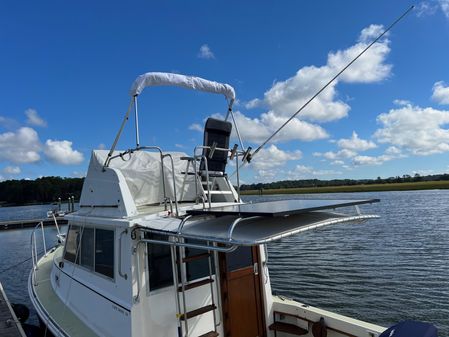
(382,271)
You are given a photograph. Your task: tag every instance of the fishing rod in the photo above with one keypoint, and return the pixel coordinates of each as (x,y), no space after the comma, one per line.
(249,156)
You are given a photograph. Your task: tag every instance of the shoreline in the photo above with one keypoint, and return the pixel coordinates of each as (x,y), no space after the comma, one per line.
(408,186)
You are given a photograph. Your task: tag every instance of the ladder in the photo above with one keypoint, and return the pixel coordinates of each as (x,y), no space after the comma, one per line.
(210,187)
(217,189)
(179,265)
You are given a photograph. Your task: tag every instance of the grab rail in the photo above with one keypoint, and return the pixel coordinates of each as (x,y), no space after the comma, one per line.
(168,155)
(33,243)
(124,275)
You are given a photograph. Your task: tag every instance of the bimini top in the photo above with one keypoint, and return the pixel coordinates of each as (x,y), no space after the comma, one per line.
(189,82)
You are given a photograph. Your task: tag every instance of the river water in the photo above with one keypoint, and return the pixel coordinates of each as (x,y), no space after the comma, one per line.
(382,271)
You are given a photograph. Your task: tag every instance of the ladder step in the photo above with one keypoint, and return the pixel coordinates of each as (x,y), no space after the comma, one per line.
(218,192)
(288,328)
(196,284)
(210,334)
(195,257)
(197,312)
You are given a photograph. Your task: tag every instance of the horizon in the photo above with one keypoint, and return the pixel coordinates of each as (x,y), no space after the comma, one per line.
(67,69)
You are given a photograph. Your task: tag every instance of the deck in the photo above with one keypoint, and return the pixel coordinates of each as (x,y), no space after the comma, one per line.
(9,325)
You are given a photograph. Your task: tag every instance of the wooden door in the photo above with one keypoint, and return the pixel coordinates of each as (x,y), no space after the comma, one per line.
(242,301)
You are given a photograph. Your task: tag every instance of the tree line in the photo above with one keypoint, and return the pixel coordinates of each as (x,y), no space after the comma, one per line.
(49,189)
(284,184)
(39,191)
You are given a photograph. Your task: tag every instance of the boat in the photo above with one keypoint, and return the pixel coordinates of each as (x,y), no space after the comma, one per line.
(163,245)
(55,212)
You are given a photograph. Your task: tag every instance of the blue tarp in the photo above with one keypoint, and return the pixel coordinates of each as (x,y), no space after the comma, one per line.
(411,329)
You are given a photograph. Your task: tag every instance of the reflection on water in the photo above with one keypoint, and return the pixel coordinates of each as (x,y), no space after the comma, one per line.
(381,271)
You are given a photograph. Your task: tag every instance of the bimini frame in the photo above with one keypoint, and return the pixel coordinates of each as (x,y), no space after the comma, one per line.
(168,79)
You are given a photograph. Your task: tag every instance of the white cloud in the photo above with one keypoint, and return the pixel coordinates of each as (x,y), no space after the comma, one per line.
(272,157)
(259,129)
(11,170)
(355,143)
(370,67)
(180,146)
(34,119)
(441,92)
(444,5)
(20,147)
(393,150)
(418,130)
(286,97)
(371,32)
(205,52)
(254,103)
(196,127)
(426,8)
(303,172)
(341,154)
(61,152)
(370,160)
(401,102)
(101,146)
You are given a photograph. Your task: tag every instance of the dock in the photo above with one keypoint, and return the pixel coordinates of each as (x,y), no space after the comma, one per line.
(9,324)
(17,224)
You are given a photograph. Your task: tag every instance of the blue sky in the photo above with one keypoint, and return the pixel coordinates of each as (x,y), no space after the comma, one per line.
(66,68)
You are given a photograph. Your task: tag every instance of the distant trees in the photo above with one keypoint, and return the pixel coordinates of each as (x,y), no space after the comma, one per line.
(342,182)
(41,190)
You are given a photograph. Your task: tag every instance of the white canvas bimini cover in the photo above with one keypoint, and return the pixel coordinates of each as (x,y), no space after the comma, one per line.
(143,175)
(189,82)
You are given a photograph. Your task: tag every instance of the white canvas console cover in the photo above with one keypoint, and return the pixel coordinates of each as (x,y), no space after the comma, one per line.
(142,173)
(189,82)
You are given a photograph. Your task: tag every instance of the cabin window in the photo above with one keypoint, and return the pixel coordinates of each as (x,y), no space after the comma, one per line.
(160,264)
(87,248)
(197,268)
(104,252)
(72,242)
(93,248)
(242,257)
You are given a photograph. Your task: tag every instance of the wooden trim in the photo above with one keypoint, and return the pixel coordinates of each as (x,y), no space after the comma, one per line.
(259,295)
(310,321)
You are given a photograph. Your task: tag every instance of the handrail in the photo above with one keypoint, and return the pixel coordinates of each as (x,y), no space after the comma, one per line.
(209,197)
(236,222)
(33,244)
(124,275)
(173,177)
(181,225)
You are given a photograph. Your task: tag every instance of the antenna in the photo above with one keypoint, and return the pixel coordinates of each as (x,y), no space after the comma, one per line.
(250,156)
